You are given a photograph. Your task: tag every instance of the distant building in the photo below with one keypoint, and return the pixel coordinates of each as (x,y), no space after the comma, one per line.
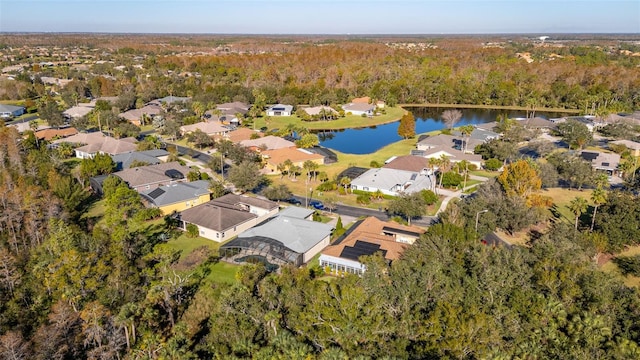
(280,110)
(10,111)
(359,109)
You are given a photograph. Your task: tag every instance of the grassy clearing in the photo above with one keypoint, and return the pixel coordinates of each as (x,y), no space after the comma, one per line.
(561,199)
(612,268)
(484,173)
(347,122)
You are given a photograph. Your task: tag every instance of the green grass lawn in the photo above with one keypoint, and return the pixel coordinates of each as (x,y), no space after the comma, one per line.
(561,199)
(612,268)
(350,121)
(222,272)
(484,173)
(186,244)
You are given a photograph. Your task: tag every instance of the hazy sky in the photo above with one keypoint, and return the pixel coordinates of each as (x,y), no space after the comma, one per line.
(322,17)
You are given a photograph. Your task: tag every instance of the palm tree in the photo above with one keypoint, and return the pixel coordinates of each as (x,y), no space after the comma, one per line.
(345,181)
(578,206)
(599,197)
(463,167)
(445,166)
(466,131)
(288,164)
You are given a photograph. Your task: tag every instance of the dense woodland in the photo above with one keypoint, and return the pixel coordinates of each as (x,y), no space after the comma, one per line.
(593,75)
(77,287)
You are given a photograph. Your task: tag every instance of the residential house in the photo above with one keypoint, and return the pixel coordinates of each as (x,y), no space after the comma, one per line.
(177,197)
(280,110)
(298,157)
(452,154)
(10,111)
(144,114)
(269,142)
(60,133)
(225,217)
(79,111)
(290,237)
(169,100)
(477,137)
(150,157)
(152,176)
(393,182)
(359,109)
(368,237)
(98,143)
(361,100)
(408,163)
(233,108)
(633,146)
(239,134)
(602,161)
(209,128)
(317,110)
(536,123)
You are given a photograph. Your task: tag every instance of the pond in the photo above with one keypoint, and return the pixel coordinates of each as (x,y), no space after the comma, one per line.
(370,139)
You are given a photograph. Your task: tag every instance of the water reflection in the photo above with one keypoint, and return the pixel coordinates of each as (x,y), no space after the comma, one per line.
(370,139)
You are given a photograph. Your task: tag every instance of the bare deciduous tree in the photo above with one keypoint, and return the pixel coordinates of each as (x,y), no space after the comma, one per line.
(451,117)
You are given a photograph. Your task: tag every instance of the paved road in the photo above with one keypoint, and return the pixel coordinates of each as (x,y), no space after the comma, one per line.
(356,212)
(23,120)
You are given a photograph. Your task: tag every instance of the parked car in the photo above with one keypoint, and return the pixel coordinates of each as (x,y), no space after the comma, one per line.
(317,204)
(293,201)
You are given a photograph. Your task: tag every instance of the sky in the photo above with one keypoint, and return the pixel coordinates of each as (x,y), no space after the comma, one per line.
(322,17)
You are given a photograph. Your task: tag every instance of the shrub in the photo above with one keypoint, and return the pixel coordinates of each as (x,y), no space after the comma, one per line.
(192,230)
(451,179)
(327,186)
(493,164)
(364,199)
(374,164)
(429,196)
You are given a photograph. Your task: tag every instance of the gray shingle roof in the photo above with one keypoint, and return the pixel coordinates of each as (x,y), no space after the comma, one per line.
(123,161)
(171,194)
(150,174)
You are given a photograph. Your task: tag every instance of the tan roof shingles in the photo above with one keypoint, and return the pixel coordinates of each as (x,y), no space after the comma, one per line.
(49,134)
(408,163)
(370,230)
(271,142)
(216,216)
(150,174)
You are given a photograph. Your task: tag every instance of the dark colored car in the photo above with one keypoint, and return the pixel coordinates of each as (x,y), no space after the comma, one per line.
(317,204)
(293,201)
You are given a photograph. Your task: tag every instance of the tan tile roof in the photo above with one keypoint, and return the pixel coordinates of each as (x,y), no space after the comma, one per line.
(216,216)
(110,146)
(225,212)
(278,156)
(49,134)
(233,199)
(150,174)
(271,142)
(371,230)
(628,143)
(209,128)
(408,163)
(361,100)
(238,135)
